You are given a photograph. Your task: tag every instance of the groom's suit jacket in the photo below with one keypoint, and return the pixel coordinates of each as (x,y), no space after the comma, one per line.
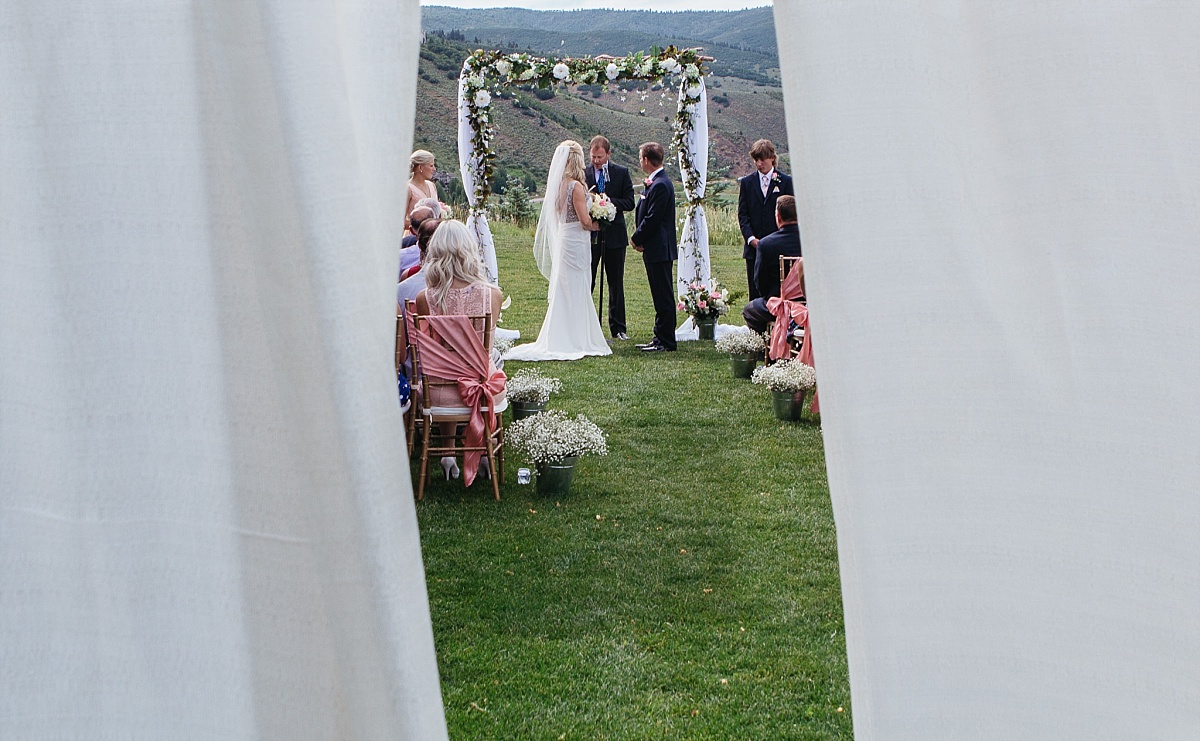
(655,232)
(756,212)
(619,189)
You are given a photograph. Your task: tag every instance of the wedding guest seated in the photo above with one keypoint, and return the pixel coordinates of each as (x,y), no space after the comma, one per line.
(454,285)
(413,279)
(782,243)
(409,253)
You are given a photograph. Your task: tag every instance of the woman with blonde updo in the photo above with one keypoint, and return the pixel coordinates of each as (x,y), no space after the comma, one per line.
(421,184)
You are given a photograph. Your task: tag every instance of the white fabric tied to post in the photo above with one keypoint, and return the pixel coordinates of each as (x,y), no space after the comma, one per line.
(693,243)
(468,164)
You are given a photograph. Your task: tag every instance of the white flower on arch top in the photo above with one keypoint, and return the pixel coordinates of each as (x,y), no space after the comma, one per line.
(485,73)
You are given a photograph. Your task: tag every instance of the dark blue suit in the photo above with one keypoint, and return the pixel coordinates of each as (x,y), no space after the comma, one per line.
(655,234)
(784,242)
(756,214)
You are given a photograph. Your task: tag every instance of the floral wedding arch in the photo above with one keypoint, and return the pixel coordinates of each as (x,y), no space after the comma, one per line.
(484,73)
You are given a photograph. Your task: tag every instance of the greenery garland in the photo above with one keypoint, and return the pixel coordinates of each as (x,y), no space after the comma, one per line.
(485,72)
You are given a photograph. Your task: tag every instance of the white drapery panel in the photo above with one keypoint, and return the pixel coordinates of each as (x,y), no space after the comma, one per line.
(206,523)
(1001,210)
(693,243)
(468,163)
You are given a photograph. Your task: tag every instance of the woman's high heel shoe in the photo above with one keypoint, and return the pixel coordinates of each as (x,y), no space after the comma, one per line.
(450,467)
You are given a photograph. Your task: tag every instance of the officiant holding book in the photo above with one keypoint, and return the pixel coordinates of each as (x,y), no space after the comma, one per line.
(610,243)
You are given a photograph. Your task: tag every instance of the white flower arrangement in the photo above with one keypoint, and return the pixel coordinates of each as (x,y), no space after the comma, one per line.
(611,71)
(601,208)
(504,67)
(482,98)
(670,65)
(531,385)
(561,71)
(553,436)
(787,376)
(741,343)
(502,345)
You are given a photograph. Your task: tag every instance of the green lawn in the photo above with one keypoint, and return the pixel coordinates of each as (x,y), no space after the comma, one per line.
(688,586)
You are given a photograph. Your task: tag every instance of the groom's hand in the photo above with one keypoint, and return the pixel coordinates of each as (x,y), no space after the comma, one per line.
(637,247)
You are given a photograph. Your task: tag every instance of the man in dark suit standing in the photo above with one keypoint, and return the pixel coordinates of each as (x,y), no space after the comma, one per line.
(654,237)
(757,193)
(609,243)
(784,242)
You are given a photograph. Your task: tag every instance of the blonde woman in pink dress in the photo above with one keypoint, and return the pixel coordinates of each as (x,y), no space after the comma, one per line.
(421,184)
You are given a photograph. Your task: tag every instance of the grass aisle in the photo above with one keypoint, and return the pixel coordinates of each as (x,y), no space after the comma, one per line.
(687,587)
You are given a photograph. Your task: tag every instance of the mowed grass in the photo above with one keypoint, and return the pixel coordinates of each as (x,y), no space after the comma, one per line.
(686,588)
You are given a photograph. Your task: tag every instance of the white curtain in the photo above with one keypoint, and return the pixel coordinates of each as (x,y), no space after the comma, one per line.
(206,523)
(468,164)
(1000,204)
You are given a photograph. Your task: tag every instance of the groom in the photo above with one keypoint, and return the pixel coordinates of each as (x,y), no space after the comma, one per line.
(608,244)
(654,237)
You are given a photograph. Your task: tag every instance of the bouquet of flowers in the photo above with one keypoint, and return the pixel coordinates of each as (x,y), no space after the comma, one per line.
(531,385)
(704,301)
(788,376)
(601,208)
(447,212)
(742,343)
(553,436)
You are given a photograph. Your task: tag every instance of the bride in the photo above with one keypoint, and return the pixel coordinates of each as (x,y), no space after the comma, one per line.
(562,247)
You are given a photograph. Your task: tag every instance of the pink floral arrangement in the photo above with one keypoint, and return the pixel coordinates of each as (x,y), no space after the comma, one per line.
(705,301)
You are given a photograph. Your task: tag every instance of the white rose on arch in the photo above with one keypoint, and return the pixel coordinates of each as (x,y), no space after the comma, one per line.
(692,72)
(611,71)
(693,91)
(504,67)
(528,74)
(690,108)
(482,98)
(561,71)
(670,64)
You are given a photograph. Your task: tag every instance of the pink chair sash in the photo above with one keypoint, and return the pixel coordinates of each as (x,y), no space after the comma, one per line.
(785,309)
(466,363)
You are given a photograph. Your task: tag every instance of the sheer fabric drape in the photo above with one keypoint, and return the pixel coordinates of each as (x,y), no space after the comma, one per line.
(1001,210)
(206,523)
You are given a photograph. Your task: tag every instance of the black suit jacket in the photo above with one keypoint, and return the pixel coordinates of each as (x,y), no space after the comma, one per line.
(782,243)
(619,189)
(655,232)
(756,213)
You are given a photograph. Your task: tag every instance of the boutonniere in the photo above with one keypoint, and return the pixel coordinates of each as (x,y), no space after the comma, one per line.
(648,182)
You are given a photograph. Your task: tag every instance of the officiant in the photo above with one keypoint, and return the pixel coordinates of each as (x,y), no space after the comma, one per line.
(609,244)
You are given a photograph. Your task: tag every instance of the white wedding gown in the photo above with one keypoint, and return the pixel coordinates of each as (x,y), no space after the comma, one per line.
(571,329)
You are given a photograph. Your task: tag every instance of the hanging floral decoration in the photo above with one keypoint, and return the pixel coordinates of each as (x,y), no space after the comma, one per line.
(484,73)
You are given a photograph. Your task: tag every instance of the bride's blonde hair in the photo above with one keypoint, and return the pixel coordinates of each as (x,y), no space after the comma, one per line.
(453,255)
(574,169)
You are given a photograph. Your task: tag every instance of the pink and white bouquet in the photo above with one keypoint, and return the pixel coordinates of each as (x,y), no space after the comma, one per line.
(601,208)
(704,301)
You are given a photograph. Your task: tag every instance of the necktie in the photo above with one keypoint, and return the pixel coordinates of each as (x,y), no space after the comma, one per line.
(600,180)
(765,181)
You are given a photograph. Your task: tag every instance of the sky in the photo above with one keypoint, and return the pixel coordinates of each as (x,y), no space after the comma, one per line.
(595,4)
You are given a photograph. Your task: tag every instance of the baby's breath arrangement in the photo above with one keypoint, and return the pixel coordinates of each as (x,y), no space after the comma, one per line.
(741,343)
(531,385)
(790,376)
(553,436)
(502,345)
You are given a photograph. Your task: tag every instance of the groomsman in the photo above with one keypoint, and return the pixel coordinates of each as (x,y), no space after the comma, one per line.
(757,194)
(609,243)
(654,237)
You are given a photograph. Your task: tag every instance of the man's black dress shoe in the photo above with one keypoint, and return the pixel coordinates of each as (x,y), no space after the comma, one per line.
(657,348)
(644,345)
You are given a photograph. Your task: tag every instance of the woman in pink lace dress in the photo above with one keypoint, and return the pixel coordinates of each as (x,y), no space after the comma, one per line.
(455,285)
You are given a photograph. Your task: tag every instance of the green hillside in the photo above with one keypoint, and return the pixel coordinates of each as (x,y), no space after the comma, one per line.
(753,28)
(528,128)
